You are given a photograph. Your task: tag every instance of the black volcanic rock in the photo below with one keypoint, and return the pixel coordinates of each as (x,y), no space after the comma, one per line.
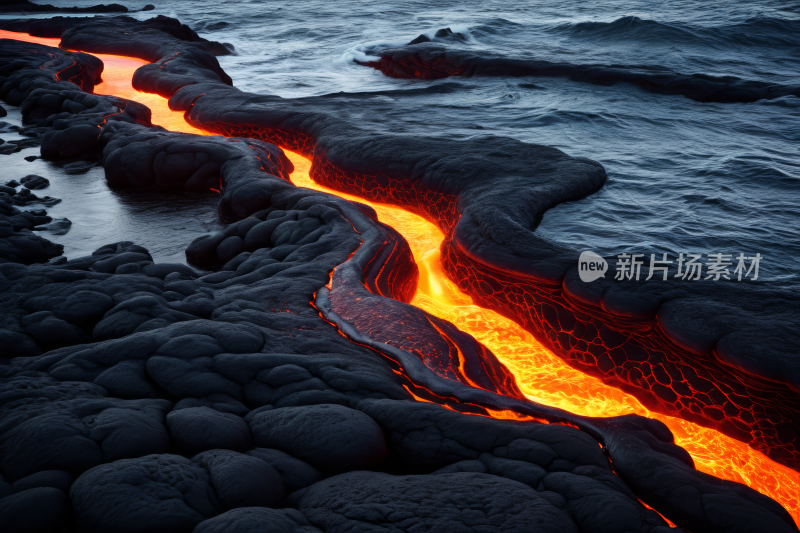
(296,474)
(257,520)
(57,226)
(175,493)
(39,436)
(197,429)
(25,197)
(424,59)
(34,182)
(329,437)
(372,501)
(144,39)
(26,6)
(36,509)
(17,243)
(57,479)
(242,480)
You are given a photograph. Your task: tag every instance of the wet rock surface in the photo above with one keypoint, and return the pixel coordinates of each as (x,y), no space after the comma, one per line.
(442,57)
(34,182)
(179,400)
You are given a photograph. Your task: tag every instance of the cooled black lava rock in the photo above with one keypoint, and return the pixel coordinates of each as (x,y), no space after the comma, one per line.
(57,226)
(173,493)
(34,182)
(198,429)
(422,58)
(36,509)
(17,243)
(26,6)
(371,501)
(257,520)
(57,479)
(330,437)
(12,147)
(296,474)
(26,197)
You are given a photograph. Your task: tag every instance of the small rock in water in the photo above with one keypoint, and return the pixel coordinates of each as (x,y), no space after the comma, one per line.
(12,183)
(26,197)
(60,260)
(5,127)
(9,148)
(15,146)
(78,167)
(31,158)
(58,226)
(8,190)
(33,181)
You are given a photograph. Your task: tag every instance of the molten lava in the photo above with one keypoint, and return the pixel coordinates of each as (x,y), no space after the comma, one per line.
(117,76)
(541,375)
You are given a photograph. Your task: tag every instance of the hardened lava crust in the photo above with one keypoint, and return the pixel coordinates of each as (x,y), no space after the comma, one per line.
(446,55)
(143,396)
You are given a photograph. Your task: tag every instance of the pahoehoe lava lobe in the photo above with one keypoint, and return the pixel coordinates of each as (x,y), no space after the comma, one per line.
(424,59)
(155,363)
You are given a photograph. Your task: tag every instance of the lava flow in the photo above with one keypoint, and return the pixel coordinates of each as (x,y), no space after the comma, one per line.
(540,374)
(117,76)
(544,377)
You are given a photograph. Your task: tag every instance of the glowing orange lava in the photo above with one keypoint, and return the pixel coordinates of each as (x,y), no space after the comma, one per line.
(541,375)
(117,77)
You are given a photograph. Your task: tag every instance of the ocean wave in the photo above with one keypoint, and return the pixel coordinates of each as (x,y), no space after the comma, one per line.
(757,31)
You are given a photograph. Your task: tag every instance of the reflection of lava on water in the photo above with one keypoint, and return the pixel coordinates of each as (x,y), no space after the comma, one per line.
(538,373)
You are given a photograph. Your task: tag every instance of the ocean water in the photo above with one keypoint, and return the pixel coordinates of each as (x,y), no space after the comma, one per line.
(164,222)
(683,176)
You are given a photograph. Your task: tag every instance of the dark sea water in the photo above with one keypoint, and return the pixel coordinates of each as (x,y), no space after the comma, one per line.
(683,176)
